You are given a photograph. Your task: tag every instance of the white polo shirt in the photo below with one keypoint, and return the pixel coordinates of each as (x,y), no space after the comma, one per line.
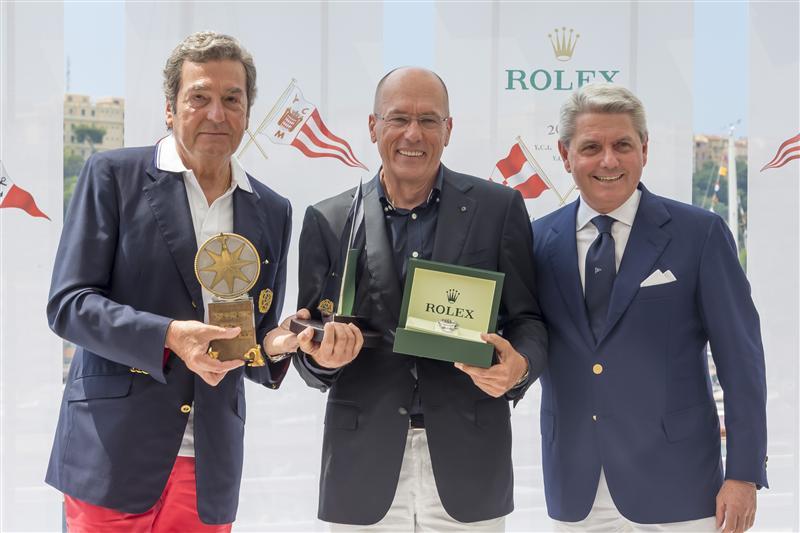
(208,220)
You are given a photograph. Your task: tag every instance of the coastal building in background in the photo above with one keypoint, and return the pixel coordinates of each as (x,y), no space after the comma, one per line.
(89,127)
(714,147)
(92,126)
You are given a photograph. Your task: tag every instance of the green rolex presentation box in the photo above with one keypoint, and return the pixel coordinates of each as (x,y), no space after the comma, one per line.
(445,310)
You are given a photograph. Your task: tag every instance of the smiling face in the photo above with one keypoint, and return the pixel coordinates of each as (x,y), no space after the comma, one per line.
(409,151)
(211,112)
(605,157)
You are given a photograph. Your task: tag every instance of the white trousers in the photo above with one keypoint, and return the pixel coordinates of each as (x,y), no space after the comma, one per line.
(416,505)
(604,516)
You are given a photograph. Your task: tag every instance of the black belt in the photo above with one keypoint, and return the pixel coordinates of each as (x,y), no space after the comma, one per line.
(416,421)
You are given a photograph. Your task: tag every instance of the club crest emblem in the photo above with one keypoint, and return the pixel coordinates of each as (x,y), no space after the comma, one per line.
(326,307)
(264,300)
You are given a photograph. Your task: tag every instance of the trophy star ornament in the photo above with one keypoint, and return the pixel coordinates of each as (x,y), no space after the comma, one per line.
(227,265)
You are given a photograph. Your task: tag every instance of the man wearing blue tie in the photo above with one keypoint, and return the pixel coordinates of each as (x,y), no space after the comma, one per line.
(633,287)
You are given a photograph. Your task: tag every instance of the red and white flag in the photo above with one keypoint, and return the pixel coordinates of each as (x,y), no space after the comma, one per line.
(787,151)
(12,195)
(519,172)
(297,122)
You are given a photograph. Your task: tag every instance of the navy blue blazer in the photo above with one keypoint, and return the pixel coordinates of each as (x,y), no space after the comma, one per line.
(649,418)
(124,270)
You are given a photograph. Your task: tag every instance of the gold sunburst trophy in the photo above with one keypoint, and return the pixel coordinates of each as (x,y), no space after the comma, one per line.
(227,265)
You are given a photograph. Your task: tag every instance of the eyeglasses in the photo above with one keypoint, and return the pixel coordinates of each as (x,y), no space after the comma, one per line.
(401,122)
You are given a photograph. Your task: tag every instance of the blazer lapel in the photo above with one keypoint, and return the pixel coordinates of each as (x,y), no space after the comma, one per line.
(645,245)
(456,211)
(384,285)
(562,252)
(249,221)
(167,198)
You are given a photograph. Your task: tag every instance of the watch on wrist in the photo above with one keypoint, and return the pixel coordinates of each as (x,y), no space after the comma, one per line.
(277,358)
(522,379)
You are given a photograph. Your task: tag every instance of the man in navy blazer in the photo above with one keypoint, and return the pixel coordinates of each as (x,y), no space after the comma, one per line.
(150,433)
(632,287)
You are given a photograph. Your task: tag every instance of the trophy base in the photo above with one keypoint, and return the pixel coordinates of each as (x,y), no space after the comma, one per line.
(244,347)
(371,338)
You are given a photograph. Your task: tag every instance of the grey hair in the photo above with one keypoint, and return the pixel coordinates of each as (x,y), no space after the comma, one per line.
(600,98)
(202,47)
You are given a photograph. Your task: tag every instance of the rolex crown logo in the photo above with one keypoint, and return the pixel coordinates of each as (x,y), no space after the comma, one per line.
(563,44)
(452,295)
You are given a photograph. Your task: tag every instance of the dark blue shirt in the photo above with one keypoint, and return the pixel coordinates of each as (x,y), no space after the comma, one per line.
(411,233)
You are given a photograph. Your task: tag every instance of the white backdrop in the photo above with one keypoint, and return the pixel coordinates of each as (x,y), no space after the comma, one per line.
(337,53)
(31,122)
(772,243)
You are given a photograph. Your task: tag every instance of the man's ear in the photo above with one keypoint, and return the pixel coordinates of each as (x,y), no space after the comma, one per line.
(564,152)
(169,115)
(644,151)
(371,124)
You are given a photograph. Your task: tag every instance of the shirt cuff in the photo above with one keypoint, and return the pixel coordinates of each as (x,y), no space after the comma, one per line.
(316,369)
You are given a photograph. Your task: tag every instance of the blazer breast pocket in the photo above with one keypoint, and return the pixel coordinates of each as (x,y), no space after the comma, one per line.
(483,258)
(655,292)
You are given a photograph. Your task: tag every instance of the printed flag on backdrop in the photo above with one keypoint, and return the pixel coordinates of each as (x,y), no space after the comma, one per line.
(297,122)
(790,149)
(12,195)
(518,172)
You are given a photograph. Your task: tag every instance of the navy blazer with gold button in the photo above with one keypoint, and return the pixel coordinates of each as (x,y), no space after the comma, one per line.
(124,270)
(647,415)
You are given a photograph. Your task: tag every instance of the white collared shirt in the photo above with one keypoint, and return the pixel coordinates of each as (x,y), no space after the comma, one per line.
(586,232)
(208,220)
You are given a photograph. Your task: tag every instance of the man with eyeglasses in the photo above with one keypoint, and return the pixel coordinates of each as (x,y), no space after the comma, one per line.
(413,443)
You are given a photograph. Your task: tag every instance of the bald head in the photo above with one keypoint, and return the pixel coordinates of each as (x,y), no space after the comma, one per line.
(400,77)
(411,125)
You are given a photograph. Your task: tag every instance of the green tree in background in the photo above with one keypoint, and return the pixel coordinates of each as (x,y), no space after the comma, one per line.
(703,182)
(90,134)
(73,163)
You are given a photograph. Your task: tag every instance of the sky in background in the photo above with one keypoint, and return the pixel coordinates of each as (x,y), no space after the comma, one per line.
(721,66)
(94,46)
(94,35)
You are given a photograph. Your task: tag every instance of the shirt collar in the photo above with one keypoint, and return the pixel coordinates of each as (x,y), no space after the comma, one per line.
(436,191)
(624,213)
(167,159)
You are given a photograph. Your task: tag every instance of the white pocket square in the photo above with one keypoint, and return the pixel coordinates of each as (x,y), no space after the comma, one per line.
(658,278)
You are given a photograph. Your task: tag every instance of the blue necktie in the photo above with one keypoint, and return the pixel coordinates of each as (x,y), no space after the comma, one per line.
(599,274)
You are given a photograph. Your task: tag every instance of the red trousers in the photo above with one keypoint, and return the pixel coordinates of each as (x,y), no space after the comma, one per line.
(175,511)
